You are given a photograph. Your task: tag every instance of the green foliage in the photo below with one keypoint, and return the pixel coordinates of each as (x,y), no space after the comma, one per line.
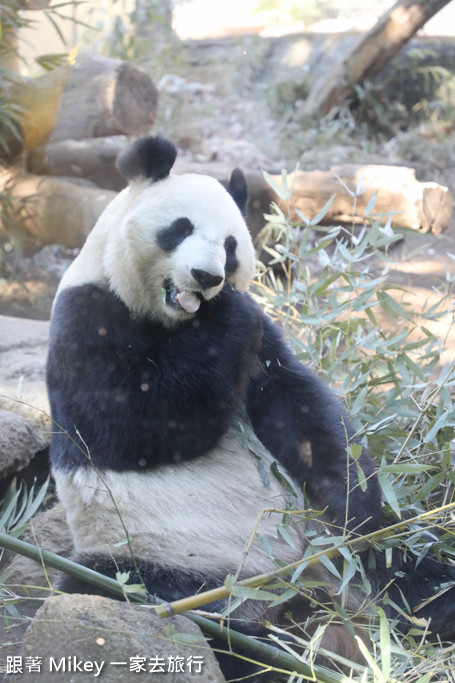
(19,506)
(416,86)
(12,19)
(130,30)
(330,288)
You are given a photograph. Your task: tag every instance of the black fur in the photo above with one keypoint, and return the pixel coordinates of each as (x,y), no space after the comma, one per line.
(163,583)
(232,263)
(304,426)
(238,189)
(413,585)
(170,395)
(169,238)
(151,158)
(129,386)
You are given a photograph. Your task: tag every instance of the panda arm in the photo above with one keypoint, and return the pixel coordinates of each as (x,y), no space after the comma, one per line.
(305,428)
(207,365)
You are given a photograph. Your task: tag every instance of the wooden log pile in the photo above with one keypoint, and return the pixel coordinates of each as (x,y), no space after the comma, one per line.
(93,159)
(94,97)
(76,119)
(51,210)
(73,123)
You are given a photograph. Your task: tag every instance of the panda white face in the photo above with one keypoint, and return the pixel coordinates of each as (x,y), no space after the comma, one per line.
(182,240)
(166,243)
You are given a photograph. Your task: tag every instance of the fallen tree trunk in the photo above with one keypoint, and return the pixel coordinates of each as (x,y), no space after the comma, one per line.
(52,210)
(367,58)
(416,205)
(95,97)
(411,204)
(93,159)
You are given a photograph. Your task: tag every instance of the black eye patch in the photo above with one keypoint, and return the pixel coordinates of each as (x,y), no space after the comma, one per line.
(169,238)
(232,263)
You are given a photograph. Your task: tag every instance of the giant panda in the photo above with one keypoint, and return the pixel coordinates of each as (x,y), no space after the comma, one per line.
(175,400)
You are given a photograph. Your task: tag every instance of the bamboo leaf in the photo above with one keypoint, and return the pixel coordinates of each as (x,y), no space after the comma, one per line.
(281,478)
(389,493)
(439,424)
(371,663)
(350,569)
(361,477)
(328,564)
(384,634)
(34,504)
(371,202)
(406,468)
(284,533)
(321,214)
(252,593)
(278,189)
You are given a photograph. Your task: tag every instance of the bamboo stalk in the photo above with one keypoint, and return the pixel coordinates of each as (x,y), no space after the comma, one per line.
(206,597)
(258,648)
(68,566)
(277,658)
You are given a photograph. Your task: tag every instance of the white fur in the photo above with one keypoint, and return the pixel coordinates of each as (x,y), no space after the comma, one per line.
(196,514)
(121,251)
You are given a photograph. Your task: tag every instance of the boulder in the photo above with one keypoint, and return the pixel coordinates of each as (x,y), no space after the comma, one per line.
(80,637)
(23,350)
(28,580)
(48,530)
(20,440)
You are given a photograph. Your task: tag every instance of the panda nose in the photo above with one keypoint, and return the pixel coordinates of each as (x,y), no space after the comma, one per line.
(206,280)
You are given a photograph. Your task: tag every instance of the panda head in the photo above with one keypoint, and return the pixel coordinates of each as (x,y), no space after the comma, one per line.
(174,241)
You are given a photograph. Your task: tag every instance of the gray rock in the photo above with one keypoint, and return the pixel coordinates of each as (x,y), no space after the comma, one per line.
(76,631)
(20,440)
(48,530)
(23,578)
(23,350)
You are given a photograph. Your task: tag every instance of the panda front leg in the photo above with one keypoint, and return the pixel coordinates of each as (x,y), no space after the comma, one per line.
(205,371)
(303,425)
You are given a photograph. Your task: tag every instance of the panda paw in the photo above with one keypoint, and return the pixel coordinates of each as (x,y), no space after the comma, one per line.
(235,311)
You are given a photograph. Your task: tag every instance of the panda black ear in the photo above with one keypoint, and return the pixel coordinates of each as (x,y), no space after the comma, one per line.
(150,158)
(238,189)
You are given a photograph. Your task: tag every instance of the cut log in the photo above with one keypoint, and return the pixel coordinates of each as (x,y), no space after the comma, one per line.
(38,101)
(105,97)
(96,97)
(53,211)
(416,205)
(370,54)
(91,159)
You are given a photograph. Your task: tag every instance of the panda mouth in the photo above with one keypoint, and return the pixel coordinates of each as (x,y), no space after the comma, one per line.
(181,299)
